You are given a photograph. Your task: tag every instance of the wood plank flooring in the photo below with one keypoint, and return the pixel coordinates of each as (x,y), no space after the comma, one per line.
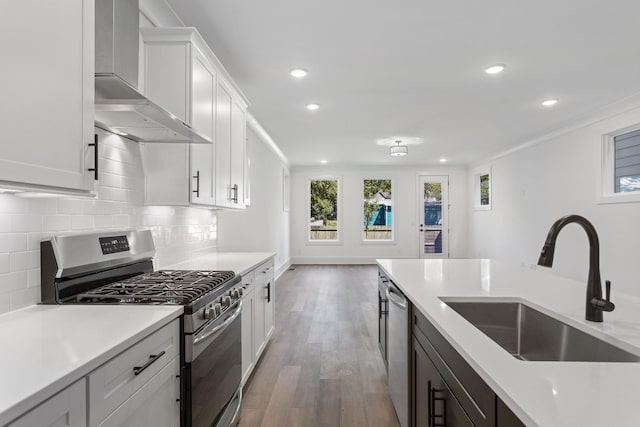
(322,366)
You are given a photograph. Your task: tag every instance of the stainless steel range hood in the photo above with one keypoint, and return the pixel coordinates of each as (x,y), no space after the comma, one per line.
(120,108)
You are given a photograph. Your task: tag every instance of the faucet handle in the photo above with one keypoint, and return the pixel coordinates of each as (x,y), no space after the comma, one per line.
(607,287)
(604,304)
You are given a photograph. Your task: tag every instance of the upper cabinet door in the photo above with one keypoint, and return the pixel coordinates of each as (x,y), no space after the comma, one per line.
(202,98)
(47,102)
(238,154)
(223,146)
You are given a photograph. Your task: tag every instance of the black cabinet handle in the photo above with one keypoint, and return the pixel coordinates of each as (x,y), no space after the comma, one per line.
(268,292)
(442,417)
(197,178)
(235,193)
(94,169)
(138,369)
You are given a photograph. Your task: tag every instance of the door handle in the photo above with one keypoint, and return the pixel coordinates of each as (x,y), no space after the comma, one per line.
(197,178)
(94,169)
(268,287)
(433,398)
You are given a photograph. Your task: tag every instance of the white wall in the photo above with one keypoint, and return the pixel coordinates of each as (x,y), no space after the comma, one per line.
(535,186)
(405,215)
(263,226)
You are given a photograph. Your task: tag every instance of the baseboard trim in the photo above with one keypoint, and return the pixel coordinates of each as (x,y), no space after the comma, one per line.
(282,268)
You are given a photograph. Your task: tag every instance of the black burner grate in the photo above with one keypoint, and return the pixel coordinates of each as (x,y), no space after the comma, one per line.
(160,287)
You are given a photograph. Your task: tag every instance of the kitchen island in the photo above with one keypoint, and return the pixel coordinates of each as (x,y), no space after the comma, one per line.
(538,393)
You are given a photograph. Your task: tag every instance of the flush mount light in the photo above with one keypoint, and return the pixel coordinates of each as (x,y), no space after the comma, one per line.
(324,162)
(549,102)
(495,69)
(298,73)
(399,150)
(313,107)
(392,140)
(443,160)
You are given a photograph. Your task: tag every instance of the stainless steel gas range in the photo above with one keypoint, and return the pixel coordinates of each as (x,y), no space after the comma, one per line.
(117,268)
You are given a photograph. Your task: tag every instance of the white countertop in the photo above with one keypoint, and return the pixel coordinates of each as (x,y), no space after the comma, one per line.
(539,393)
(45,348)
(239,262)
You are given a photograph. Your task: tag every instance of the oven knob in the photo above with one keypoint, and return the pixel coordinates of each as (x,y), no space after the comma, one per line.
(217,309)
(240,292)
(209,312)
(235,294)
(226,301)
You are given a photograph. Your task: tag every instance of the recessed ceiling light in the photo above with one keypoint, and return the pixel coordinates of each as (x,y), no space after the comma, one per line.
(298,73)
(324,162)
(443,160)
(549,102)
(495,69)
(312,107)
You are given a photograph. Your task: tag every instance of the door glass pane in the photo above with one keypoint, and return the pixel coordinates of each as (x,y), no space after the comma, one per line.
(432,218)
(377,210)
(323,224)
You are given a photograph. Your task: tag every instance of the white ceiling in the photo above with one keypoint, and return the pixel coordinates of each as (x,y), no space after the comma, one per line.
(415,68)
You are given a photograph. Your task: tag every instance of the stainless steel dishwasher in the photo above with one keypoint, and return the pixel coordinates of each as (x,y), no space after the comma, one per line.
(399,352)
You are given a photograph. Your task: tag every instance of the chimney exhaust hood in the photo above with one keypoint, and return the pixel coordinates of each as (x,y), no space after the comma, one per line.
(119,107)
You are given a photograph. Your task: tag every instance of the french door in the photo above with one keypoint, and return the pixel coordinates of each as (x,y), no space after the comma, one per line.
(433,214)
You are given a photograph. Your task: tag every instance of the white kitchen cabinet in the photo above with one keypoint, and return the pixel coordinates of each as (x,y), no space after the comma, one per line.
(178,77)
(131,375)
(156,403)
(47,103)
(67,408)
(265,296)
(248,313)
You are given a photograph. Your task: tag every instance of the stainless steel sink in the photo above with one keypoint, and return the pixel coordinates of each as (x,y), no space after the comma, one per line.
(531,335)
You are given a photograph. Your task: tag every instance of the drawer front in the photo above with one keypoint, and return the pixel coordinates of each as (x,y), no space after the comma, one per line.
(473,394)
(264,273)
(248,281)
(116,381)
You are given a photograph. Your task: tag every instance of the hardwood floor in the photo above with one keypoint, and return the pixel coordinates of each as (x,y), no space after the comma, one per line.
(322,366)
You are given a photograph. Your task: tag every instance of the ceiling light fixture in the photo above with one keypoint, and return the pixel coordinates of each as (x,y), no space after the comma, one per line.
(399,150)
(549,102)
(313,107)
(443,160)
(324,162)
(495,69)
(298,73)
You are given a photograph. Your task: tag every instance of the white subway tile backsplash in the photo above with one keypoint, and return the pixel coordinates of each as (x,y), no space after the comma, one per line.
(4,263)
(13,242)
(57,222)
(24,223)
(19,261)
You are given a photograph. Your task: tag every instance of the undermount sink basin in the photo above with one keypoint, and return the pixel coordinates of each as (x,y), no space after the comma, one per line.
(530,335)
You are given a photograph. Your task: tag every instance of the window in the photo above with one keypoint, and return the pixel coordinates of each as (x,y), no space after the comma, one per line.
(377,210)
(627,162)
(620,171)
(482,189)
(324,210)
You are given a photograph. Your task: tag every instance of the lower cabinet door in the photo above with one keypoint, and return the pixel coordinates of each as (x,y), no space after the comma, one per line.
(156,403)
(66,409)
(433,402)
(247,334)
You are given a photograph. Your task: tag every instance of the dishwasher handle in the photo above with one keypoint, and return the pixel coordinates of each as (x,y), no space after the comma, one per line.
(396,297)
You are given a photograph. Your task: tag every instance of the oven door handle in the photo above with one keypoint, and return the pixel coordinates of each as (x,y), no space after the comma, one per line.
(206,334)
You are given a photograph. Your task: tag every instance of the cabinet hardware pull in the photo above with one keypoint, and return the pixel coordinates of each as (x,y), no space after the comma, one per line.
(137,370)
(235,193)
(268,287)
(197,178)
(94,169)
(432,414)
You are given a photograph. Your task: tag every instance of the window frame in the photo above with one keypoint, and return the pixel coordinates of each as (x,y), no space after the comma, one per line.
(606,190)
(476,174)
(391,241)
(339,233)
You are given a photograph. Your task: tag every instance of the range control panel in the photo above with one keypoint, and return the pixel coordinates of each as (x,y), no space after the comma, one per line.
(112,245)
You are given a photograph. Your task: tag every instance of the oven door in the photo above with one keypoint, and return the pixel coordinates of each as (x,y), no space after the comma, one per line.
(213,357)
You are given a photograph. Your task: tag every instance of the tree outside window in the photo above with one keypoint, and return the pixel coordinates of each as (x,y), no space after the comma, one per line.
(377,209)
(323,207)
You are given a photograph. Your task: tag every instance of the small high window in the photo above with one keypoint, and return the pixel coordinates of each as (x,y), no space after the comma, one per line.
(627,162)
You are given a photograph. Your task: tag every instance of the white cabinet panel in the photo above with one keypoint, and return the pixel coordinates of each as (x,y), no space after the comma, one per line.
(248,313)
(223,146)
(47,103)
(166,76)
(238,154)
(157,403)
(166,170)
(67,408)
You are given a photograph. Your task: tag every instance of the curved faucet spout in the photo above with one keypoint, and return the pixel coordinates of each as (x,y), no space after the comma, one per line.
(595,303)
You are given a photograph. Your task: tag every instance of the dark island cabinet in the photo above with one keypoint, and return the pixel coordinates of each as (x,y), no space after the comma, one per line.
(445,390)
